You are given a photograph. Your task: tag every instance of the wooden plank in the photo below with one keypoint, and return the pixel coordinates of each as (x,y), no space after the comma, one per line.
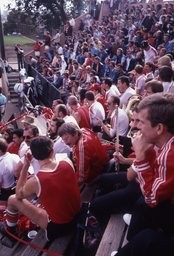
(60,245)
(4,251)
(39,240)
(112,236)
(125,238)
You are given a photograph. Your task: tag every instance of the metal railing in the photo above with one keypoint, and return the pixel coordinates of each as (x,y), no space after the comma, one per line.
(4,79)
(46,91)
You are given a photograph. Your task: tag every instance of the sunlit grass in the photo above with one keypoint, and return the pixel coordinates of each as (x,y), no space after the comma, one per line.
(16,39)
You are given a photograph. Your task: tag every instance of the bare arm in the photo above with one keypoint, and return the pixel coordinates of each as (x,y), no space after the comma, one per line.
(26,187)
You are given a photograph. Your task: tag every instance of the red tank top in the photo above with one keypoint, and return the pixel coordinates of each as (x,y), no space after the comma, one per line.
(59,193)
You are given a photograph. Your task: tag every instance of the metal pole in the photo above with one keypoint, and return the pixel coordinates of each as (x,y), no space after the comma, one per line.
(2,39)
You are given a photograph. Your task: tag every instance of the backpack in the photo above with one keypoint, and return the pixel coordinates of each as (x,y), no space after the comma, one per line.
(88,233)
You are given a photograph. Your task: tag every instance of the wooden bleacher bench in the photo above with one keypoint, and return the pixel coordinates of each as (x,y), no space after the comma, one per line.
(114,236)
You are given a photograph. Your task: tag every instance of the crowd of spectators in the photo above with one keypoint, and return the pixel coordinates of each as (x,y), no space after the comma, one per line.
(130,36)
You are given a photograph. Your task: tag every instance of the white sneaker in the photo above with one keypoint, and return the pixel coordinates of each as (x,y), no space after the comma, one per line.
(113,253)
(127,218)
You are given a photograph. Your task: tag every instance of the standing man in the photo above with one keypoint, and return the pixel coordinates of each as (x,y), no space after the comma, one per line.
(20,56)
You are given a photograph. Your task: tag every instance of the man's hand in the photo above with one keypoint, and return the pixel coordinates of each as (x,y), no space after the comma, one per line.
(120,158)
(27,158)
(140,146)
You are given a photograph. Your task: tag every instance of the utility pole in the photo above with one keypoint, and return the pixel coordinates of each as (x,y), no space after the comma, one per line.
(2,38)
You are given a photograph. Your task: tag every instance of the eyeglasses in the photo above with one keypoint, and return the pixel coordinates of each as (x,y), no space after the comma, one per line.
(27,137)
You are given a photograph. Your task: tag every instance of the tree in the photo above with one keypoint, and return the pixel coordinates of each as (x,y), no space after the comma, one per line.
(53,13)
(17,20)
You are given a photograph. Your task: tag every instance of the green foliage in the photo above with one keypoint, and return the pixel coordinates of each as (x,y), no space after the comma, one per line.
(17,20)
(51,13)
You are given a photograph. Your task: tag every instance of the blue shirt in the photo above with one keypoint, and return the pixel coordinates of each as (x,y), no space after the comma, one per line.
(3,99)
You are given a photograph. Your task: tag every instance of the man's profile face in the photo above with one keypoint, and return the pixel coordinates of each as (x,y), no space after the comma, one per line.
(53,130)
(148,132)
(28,136)
(120,86)
(69,139)
(134,120)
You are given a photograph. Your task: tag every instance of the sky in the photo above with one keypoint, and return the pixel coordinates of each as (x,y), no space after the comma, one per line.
(5,3)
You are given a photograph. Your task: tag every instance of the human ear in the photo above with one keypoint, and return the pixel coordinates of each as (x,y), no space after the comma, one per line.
(160,128)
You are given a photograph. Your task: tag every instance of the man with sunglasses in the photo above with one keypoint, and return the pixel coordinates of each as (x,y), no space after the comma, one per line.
(28,134)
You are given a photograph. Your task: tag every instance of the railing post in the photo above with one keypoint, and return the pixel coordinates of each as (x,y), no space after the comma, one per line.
(2,39)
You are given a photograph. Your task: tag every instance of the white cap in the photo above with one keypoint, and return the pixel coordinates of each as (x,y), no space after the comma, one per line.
(29,79)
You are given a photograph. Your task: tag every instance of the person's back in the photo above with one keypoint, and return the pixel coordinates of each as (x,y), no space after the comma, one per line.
(10,165)
(84,114)
(61,186)
(95,157)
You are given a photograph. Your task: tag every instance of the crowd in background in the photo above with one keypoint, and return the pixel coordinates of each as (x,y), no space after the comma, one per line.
(133,35)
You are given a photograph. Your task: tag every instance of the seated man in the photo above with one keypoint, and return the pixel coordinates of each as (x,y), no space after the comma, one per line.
(10,166)
(158,243)
(154,151)
(119,121)
(117,192)
(59,145)
(89,155)
(56,179)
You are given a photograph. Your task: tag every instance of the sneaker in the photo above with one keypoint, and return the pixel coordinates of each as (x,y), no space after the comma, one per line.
(127,218)
(5,238)
(114,253)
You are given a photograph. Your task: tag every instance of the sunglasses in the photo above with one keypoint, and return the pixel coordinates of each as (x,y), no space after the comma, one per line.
(27,137)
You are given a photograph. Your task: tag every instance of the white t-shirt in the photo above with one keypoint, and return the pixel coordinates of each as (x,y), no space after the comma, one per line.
(168,86)
(70,119)
(113,91)
(8,166)
(60,147)
(123,123)
(140,84)
(150,54)
(96,111)
(124,98)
